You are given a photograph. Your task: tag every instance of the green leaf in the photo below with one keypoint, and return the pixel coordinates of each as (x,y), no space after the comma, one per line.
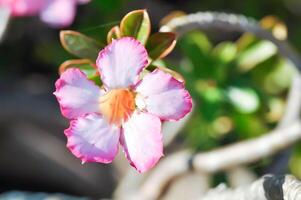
(211,99)
(246,41)
(280,78)
(225,52)
(244,100)
(160,44)
(256,54)
(295,161)
(200,40)
(249,125)
(114,33)
(276,108)
(136,24)
(197,48)
(198,132)
(159,62)
(84,65)
(80,45)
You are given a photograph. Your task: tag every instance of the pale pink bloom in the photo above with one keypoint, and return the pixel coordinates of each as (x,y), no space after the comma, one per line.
(56,13)
(126,110)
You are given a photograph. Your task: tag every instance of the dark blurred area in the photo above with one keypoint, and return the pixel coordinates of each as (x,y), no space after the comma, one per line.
(33,156)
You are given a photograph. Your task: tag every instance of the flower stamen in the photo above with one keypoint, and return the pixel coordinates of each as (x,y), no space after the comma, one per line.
(117,105)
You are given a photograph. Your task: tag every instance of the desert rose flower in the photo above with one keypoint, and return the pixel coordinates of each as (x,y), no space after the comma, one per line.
(56,13)
(126,110)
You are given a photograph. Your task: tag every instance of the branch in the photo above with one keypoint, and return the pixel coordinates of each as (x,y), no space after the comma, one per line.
(237,154)
(230,22)
(293,105)
(221,159)
(248,151)
(291,114)
(267,188)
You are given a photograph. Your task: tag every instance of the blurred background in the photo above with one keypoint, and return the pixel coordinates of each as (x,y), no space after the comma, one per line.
(239,85)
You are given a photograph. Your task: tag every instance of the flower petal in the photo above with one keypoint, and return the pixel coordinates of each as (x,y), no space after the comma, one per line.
(164,96)
(92,139)
(83,1)
(59,13)
(121,62)
(141,139)
(23,7)
(76,94)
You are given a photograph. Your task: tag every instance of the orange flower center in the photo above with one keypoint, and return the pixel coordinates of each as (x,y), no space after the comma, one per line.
(117,105)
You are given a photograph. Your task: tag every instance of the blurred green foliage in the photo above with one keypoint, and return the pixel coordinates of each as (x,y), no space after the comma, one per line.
(239,88)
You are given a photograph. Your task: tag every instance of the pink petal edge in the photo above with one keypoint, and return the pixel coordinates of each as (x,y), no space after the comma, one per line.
(59,13)
(24,7)
(166,95)
(91,139)
(141,139)
(121,62)
(81,99)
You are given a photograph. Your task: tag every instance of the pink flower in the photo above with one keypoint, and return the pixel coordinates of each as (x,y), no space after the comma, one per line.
(56,13)
(125,110)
